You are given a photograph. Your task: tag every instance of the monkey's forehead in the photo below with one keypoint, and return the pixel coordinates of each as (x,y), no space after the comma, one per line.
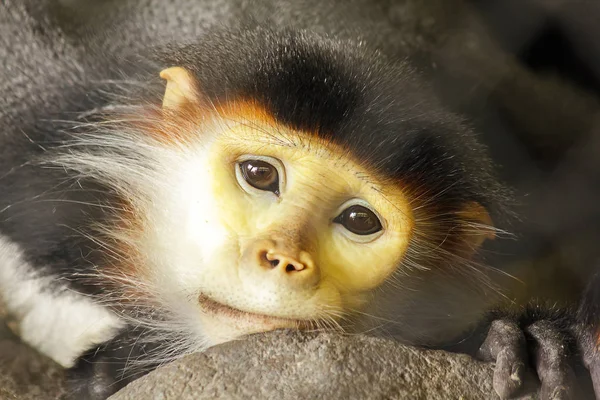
(342,92)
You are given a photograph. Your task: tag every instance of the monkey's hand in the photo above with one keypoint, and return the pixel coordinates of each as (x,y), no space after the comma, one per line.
(546,341)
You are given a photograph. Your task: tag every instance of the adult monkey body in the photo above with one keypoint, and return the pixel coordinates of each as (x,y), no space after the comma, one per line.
(267,175)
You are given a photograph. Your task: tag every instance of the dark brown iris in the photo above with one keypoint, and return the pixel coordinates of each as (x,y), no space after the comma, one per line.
(261,175)
(359,220)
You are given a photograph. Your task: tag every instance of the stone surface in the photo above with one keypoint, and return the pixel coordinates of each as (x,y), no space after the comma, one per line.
(26,375)
(293,365)
(282,365)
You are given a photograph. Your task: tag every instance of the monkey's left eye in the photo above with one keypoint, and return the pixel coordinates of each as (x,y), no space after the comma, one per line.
(260,175)
(359,220)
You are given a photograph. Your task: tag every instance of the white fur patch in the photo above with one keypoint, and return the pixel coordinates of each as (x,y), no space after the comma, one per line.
(58,322)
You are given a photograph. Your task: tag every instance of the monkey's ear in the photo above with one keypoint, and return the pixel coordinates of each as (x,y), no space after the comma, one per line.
(180,87)
(481,227)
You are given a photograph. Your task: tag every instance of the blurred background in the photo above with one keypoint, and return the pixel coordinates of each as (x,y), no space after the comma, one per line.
(527,74)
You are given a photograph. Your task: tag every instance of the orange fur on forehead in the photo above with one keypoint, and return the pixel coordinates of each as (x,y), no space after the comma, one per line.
(183,124)
(246,110)
(184,107)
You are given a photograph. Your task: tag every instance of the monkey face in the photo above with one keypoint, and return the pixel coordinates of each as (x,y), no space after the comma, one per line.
(266,228)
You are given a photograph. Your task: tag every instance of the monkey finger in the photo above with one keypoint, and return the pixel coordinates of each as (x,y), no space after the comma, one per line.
(551,357)
(505,344)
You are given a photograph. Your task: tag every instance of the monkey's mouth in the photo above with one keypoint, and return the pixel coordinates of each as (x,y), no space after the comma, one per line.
(248,320)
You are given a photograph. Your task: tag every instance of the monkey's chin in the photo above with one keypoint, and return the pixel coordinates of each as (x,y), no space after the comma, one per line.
(221,323)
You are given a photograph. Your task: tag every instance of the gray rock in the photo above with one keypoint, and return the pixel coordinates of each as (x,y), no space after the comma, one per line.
(294,365)
(282,365)
(26,375)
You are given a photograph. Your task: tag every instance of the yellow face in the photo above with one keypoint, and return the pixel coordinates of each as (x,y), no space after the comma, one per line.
(258,227)
(323,204)
(267,228)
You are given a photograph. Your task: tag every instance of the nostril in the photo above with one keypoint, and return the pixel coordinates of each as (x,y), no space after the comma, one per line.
(290,268)
(269,259)
(273,260)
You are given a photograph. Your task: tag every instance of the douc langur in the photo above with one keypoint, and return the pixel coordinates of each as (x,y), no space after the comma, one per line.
(255,179)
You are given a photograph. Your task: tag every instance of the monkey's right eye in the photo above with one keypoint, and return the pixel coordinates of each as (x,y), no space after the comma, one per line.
(359,220)
(260,175)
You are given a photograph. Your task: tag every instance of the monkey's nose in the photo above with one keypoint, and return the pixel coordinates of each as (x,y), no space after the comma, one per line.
(282,264)
(279,260)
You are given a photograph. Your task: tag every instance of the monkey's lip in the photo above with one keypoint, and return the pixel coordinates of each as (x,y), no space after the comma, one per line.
(249,318)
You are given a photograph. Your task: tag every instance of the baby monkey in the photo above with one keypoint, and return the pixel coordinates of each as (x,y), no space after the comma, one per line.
(271,179)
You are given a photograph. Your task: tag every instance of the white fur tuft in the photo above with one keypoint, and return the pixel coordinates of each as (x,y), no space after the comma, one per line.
(58,322)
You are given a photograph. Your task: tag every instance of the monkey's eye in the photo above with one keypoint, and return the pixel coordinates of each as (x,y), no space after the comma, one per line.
(359,220)
(260,175)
